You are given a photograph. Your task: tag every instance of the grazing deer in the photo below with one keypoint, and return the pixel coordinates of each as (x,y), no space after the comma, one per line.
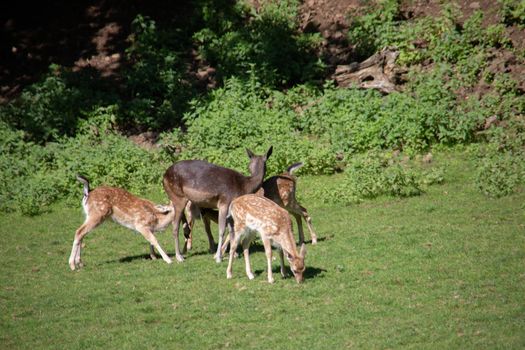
(253,214)
(210,186)
(126,209)
(280,189)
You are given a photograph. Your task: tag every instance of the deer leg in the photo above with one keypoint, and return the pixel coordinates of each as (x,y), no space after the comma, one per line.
(299,211)
(207,228)
(82,231)
(308,220)
(150,237)
(152,254)
(246,251)
(187,228)
(299,227)
(284,273)
(179,212)
(235,242)
(223,212)
(268,252)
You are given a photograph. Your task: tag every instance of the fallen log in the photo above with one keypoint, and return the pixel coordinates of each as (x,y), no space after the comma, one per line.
(376,72)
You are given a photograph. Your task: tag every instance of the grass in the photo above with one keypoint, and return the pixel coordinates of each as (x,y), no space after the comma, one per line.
(442,270)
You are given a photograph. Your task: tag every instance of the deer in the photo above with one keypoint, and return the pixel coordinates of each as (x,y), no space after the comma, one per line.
(126,209)
(280,189)
(255,215)
(210,186)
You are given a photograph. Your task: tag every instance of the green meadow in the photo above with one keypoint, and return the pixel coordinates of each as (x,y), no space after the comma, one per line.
(442,270)
(417,195)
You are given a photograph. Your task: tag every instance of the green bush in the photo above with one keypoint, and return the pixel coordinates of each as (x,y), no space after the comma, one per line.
(372,27)
(23,168)
(111,160)
(353,120)
(513,12)
(36,176)
(243,115)
(373,174)
(157,88)
(267,43)
(501,161)
(500,173)
(46,110)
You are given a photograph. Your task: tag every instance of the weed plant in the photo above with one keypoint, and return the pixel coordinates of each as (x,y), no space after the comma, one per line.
(69,123)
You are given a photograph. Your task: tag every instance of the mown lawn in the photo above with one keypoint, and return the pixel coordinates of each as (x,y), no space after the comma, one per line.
(442,270)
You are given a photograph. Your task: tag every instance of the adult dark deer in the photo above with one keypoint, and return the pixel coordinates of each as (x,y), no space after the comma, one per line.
(210,186)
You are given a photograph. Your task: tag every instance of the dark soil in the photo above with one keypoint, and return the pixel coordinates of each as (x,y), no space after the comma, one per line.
(92,34)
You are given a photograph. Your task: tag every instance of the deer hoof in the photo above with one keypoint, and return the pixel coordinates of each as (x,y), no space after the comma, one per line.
(180,258)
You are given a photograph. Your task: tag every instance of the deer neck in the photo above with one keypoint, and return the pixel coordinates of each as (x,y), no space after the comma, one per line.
(290,248)
(254,182)
(164,219)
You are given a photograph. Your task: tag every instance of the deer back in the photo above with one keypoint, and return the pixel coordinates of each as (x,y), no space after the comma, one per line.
(280,189)
(206,184)
(264,216)
(203,182)
(126,208)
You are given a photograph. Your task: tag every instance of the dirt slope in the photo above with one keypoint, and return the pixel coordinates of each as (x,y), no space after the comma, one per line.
(92,35)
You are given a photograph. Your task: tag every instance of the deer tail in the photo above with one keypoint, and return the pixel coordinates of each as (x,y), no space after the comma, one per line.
(84,181)
(294,167)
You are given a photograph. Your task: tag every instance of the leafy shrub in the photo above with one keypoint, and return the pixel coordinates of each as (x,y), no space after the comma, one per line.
(352,120)
(266,43)
(111,160)
(501,162)
(52,107)
(46,110)
(370,28)
(23,166)
(513,12)
(373,174)
(156,85)
(499,174)
(243,115)
(36,176)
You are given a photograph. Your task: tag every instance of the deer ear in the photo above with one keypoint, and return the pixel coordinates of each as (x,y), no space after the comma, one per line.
(302,252)
(250,153)
(269,153)
(163,209)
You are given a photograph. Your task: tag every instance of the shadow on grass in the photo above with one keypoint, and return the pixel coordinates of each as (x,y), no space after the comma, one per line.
(128,259)
(254,247)
(310,272)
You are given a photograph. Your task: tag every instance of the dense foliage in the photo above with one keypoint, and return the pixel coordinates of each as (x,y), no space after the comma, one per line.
(73,122)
